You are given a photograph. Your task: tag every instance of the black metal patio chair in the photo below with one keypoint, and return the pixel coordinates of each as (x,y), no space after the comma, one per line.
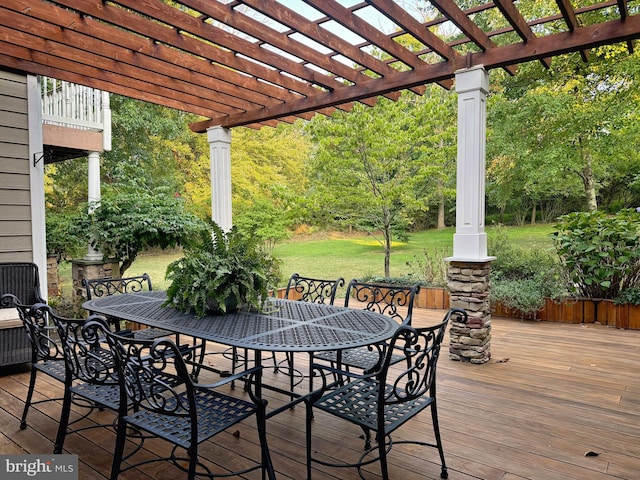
(395,301)
(46,352)
(159,397)
(385,399)
(312,290)
(104,287)
(90,373)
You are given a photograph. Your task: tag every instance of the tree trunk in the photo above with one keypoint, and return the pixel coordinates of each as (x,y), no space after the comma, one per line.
(589,184)
(387,242)
(387,254)
(533,214)
(441,222)
(588,179)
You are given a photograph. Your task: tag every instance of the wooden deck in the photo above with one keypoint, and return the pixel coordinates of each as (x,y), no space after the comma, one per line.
(551,394)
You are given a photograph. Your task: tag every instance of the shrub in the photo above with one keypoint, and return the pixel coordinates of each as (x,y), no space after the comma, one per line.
(125,224)
(521,279)
(523,296)
(61,241)
(600,253)
(429,268)
(630,296)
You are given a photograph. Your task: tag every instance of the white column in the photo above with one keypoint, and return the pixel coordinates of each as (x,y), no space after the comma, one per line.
(470,239)
(220,155)
(93,197)
(36,181)
(106,122)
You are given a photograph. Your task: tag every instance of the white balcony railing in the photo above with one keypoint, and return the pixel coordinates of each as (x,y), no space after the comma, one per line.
(75,106)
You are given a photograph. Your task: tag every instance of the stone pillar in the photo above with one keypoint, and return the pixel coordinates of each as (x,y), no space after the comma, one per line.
(468,284)
(82,268)
(53,277)
(220,156)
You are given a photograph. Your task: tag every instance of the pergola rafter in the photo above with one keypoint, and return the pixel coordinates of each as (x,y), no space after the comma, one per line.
(259,62)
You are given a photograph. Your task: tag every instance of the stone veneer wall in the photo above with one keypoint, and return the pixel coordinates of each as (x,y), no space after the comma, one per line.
(468,285)
(81,269)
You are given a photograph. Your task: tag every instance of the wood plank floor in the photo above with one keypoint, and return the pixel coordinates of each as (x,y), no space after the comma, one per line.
(551,394)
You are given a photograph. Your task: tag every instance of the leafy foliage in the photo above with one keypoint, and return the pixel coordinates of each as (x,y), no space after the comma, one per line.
(125,224)
(61,240)
(522,278)
(378,169)
(600,253)
(221,269)
(630,295)
(429,267)
(559,138)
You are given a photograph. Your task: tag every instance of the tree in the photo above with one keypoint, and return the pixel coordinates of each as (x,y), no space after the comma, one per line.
(433,137)
(126,223)
(364,170)
(565,128)
(268,178)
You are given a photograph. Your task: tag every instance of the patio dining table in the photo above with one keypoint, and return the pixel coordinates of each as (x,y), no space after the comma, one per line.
(282,325)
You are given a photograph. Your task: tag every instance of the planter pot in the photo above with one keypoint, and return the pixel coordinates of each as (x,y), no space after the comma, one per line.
(432,297)
(581,310)
(628,316)
(213,306)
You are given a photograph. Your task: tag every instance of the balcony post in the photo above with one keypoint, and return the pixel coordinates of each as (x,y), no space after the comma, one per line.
(94,199)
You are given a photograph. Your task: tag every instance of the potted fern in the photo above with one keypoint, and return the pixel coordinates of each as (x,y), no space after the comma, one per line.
(221,272)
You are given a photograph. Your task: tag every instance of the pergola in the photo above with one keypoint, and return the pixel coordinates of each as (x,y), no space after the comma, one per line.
(259,62)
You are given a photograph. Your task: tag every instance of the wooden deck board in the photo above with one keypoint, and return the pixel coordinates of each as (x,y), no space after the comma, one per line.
(551,393)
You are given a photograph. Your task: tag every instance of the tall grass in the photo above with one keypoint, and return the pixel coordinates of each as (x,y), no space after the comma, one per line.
(339,255)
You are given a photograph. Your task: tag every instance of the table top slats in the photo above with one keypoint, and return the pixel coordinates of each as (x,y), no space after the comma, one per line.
(283,325)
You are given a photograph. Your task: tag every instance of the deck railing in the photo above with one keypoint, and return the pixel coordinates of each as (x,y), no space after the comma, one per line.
(76,106)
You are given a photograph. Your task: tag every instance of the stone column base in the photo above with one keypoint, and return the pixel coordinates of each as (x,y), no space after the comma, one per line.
(468,285)
(81,269)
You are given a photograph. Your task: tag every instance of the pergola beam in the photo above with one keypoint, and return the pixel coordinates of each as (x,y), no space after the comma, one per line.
(535,49)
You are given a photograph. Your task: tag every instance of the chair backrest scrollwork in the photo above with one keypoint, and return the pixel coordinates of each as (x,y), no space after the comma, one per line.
(87,357)
(35,320)
(313,290)
(103,287)
(415,375)
(391,300)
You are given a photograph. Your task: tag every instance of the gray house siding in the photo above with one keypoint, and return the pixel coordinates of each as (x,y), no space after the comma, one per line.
(15,198)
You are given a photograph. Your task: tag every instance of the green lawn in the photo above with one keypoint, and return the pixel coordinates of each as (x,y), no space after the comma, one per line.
(335,255)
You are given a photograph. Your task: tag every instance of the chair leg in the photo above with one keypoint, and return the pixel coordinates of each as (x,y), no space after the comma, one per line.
(27,402)
(64,421)
(193,462)
(267,465)
(367,438)
(118,453)
(309,420)
(382,453)
(436,431)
